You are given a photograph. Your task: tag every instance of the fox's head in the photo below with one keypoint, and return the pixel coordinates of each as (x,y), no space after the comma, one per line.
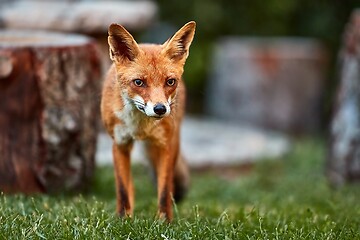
(149,74)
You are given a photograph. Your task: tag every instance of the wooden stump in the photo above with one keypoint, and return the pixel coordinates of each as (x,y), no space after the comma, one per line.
(343,163)
(273,83)
(49,95)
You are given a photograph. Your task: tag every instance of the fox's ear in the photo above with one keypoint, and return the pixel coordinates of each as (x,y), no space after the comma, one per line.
(177,47)
(122,44)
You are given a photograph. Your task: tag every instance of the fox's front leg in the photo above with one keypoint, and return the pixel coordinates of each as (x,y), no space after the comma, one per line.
(123,179)
(163,159)
(165,186)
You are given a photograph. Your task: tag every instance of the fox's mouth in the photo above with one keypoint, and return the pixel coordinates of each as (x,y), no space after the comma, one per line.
(141,108)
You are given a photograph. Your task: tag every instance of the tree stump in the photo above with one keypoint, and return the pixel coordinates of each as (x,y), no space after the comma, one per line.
(343,163)
(273,83)
(49,95)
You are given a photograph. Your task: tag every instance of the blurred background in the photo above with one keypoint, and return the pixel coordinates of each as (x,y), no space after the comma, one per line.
(322,21)
(259,72)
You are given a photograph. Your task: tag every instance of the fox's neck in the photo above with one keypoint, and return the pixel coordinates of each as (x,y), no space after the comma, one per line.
(129,114)
(138,126)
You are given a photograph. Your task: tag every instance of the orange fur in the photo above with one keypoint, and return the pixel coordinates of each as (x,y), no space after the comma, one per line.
(140,101)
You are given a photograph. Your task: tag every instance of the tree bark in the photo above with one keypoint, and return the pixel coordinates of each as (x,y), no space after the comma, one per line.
(49,95)
(343,163)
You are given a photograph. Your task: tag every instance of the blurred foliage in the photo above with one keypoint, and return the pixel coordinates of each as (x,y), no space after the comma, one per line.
(322,19)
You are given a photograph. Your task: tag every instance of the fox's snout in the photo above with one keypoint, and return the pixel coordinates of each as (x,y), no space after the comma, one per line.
(157,110)
(160,109)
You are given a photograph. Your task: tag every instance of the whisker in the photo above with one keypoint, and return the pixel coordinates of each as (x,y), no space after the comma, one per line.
(139,103)
(172,102)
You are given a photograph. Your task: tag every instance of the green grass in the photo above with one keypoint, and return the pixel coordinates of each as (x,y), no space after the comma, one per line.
(279,199)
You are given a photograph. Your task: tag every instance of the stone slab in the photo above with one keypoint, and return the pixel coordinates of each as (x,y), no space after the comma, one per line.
(91,17)
(207,142)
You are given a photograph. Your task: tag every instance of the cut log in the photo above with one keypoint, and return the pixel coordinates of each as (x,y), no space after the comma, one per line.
(49,98)
(343,163)
(273,83)
(90,17)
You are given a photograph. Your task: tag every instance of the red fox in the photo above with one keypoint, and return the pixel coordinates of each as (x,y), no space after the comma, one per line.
(143,98)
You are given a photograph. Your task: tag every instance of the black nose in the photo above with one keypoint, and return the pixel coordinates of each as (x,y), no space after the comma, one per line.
(159,109)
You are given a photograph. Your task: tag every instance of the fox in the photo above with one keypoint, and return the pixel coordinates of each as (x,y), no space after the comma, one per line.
(143,98)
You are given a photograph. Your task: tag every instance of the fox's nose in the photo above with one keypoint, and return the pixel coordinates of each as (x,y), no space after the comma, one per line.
(160,109)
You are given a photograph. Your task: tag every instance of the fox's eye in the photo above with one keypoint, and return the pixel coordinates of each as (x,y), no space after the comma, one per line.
(171,82)
(138,82)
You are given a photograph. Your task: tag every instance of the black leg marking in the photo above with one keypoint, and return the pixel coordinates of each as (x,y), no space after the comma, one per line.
(163,199)
(124,199)
(180,189)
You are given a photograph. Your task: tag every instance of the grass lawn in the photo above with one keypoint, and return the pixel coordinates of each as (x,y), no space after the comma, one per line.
(285,198)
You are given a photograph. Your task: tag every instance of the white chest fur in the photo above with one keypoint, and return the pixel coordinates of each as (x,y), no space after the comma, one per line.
(135,126)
